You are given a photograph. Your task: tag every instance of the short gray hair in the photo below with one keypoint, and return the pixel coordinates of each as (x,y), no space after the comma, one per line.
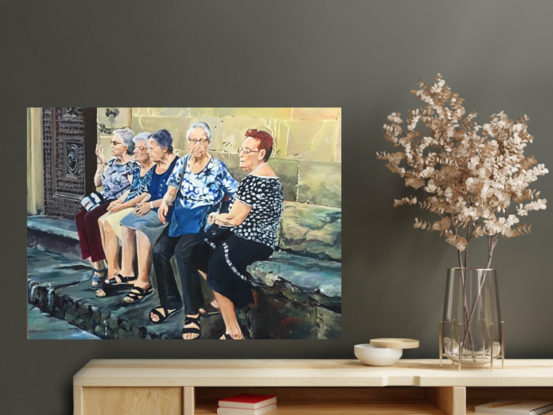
(164,139)
(127,136)
(204,126)
(142,137)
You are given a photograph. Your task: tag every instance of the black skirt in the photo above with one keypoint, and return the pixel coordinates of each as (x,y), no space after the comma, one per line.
(225,264)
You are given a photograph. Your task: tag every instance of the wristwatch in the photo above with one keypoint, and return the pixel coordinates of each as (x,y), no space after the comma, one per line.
(151,205)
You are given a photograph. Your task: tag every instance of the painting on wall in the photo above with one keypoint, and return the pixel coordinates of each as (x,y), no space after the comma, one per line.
(184,223)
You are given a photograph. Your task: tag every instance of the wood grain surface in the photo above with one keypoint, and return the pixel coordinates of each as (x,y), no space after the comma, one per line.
(308,373)
(451,401)
(133,401)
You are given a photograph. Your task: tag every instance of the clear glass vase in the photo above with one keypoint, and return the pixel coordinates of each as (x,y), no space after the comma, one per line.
(471,330)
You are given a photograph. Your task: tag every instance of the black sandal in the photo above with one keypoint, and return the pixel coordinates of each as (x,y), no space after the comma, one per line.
(125,281)
(98,280)
(209,310)
(162,317)
(136,295)
(112,286)
(229,337)
(192,330)
(110,289)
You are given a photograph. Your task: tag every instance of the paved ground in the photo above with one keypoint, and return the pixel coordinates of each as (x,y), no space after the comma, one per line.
(297,297)
(61,287)
(44,326)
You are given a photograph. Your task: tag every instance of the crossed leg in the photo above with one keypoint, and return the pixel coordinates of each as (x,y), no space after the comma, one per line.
(226,306)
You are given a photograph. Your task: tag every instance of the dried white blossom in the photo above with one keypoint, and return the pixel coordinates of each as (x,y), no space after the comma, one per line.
(475,178)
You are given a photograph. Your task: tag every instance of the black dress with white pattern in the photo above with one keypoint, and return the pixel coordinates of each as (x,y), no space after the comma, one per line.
(226,261)
(264,195)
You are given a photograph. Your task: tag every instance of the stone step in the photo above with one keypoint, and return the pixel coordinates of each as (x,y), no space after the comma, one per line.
(42,326)
(61,287)
(297,297)
(54,234)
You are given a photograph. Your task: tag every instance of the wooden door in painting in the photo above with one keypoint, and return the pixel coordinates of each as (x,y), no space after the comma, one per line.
(69,142)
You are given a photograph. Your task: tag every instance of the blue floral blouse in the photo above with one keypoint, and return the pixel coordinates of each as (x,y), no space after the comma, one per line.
(199,193)
(139,183)
(115,180)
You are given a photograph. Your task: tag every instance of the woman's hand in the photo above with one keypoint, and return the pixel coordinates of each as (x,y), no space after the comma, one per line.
(162,212)
(112,206)
(142,208)
(100,154)
(115,207)
(212,218)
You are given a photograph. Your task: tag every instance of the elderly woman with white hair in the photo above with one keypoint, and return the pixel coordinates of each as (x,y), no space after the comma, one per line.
(197,187)
(115,177)
(141,228)
(110,228)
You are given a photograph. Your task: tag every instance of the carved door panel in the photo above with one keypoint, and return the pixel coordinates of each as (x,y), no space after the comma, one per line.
(69,140)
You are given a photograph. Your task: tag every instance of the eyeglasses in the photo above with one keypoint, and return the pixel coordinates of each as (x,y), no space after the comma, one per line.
(247,150)
(202,141)
(141,148)
(115,143)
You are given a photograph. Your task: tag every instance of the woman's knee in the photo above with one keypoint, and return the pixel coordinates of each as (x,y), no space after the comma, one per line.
(217,260)
(90,219)
(185,247)
(160,250)
(108,228)
(142,240)
(81,214)
(127,232)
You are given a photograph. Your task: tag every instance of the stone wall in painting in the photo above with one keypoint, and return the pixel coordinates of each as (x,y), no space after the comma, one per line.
(308,141)
(307,158)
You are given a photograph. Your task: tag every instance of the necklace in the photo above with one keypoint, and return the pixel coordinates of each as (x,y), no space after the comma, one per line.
(257,168)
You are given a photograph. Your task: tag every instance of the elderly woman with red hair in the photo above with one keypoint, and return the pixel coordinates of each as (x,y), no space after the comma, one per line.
(252,224)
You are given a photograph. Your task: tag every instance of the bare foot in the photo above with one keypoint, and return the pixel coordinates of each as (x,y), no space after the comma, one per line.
(137,295)
(142,285)
(99,277)
(101,293)
(191,325)
(234,336)
(212,308)
(117,278)
(155,318)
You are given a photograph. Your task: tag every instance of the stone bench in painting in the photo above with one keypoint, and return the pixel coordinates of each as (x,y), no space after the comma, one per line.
(298,289)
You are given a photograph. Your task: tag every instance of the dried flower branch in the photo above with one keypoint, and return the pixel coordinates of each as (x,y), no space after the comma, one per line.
(475,178)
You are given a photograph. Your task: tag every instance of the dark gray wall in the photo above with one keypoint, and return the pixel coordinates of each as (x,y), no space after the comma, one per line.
(363,56)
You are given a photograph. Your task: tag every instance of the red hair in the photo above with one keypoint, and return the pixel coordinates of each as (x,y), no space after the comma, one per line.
(264,139)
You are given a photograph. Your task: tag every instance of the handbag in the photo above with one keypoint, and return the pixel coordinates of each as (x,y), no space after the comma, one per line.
(217,233)
(92,201)
(186,220)
(171,209)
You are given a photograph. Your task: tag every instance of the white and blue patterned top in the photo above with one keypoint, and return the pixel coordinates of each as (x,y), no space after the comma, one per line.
(199,194)
(115,179)
(139,183)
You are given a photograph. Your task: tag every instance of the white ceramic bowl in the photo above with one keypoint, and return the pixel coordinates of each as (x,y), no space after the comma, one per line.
(376,356)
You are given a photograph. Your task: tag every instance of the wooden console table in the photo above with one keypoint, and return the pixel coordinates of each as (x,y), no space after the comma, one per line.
(177,387)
